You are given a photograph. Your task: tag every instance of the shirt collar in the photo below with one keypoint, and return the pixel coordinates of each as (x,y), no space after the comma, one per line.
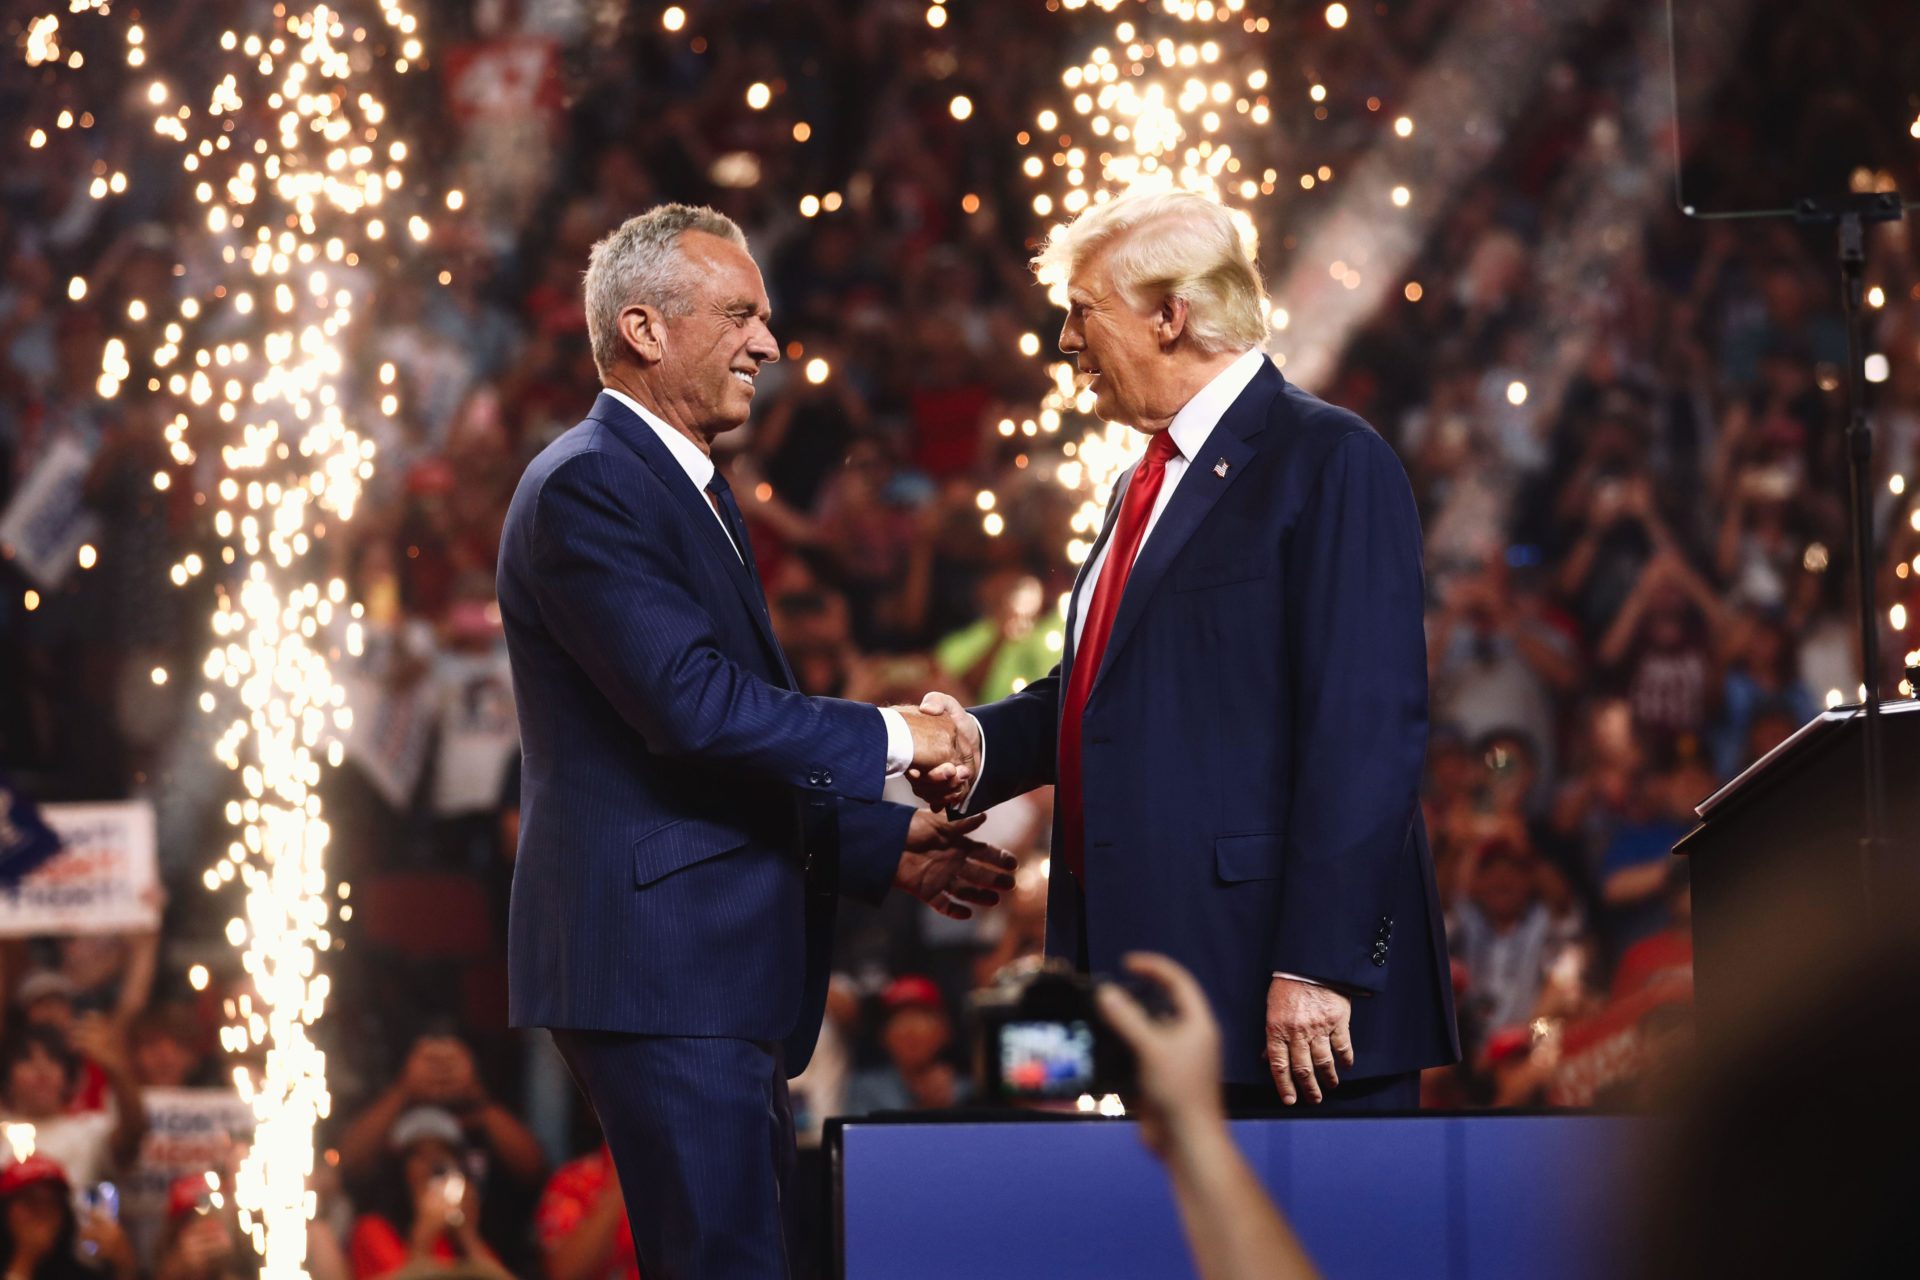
(697,465)
(1200,415)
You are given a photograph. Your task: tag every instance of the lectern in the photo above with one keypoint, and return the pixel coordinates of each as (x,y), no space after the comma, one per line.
(1797,814)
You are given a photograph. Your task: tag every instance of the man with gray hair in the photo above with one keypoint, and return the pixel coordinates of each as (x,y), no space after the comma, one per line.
(1237,724)
(687,815)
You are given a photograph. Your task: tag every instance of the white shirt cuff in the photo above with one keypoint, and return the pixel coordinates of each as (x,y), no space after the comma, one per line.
(899,742)
(1294,977)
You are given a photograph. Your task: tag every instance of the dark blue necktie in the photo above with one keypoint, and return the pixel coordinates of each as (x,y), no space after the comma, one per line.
(730,512)
(722,494)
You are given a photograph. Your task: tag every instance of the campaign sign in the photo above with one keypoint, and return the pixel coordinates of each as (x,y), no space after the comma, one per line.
(48,518)
(105,879)
(26,841)
(191,1131)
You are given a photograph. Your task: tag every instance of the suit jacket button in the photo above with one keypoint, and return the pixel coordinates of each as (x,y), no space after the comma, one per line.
(1379,961)
(826,777)
(814,777)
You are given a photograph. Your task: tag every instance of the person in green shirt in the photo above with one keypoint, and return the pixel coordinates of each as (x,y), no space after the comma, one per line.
(1011,645)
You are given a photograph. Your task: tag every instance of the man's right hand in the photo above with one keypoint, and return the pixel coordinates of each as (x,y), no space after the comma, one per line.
(946,750)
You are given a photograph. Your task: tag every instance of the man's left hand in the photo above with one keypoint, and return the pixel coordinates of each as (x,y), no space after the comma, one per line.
(1307,1038)
(947,869)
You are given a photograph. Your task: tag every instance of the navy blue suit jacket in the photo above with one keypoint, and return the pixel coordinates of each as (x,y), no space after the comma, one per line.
(685,816)
(1253,741)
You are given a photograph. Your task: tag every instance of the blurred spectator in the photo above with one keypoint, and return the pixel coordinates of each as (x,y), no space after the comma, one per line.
(1014,643)
(1501,655)
(1664,958)
(46,998)
(440,1079)
(440,1072)
(168,1049)
(1661,642)
(43,1238)
(203,1240)
(428,1209)
(916,1033)
(1762,680)
(38,1068)
(1637,860)
(1504,931)
(582,1223)
(199,1243)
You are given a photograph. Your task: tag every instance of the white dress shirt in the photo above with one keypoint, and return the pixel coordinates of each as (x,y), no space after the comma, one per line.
(693,460)
(698,465)
(1190,429)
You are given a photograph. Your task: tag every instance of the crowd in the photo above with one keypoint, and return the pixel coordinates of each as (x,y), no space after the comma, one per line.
(1631,485)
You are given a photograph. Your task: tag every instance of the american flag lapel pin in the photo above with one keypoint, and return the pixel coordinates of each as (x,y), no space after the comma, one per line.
(1220,468)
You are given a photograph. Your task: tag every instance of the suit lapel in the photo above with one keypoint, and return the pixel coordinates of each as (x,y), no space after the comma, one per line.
(639,437)
(1204,483)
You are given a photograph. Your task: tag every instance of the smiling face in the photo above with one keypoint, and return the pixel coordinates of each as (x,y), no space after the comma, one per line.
(1117,346)
(705,360)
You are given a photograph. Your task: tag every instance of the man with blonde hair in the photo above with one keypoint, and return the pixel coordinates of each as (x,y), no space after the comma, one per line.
(1237,726)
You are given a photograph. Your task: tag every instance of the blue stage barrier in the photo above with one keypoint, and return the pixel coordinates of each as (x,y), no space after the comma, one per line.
(1455,1197)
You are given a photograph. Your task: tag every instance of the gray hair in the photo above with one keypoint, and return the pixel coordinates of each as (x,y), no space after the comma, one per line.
(1177,244)
(642,262)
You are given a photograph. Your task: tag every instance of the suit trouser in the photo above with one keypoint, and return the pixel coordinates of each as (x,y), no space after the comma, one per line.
(702,1140)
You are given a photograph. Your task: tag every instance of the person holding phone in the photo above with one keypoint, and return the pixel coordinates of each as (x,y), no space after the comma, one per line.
(42,1237)
(203,1239)
(432,1208)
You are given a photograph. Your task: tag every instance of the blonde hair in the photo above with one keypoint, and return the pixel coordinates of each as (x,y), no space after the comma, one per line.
(642,262)
(1171,244)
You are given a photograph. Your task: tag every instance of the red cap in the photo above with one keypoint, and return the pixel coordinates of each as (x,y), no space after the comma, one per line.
(1508,1042)
(911,989)
(183,1196)
(22,1174)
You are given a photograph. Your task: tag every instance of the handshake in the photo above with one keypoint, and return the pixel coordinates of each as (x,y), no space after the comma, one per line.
(943,865)
(946,750)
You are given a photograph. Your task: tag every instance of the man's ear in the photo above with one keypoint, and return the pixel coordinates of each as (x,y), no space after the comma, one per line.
(1170,321)
(639,328)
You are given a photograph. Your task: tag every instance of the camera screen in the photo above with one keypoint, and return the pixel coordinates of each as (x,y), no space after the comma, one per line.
(1046,1059)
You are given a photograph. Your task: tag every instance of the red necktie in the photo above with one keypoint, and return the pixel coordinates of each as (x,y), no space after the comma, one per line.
(1128,532)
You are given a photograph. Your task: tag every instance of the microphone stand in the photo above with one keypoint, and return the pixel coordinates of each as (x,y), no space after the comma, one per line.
(1850,215)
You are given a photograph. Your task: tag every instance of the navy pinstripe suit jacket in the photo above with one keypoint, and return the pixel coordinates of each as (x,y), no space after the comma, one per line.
(685,816)
(1254,737)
